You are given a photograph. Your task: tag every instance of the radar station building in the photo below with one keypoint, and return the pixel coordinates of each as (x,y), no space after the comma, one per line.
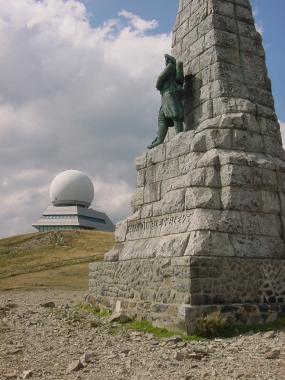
(71,194)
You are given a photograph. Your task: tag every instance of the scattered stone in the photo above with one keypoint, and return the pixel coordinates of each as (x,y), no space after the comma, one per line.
(58,343)
(120,317)
(76,365)
(125,351)
(174,340)
(195,355)
(87,357)
(4,325)
(27,374)
(10,375)
(48,304)
(181,344)
(274,354)
(14,351)
(10,305)
(107,344)
(179,355)
(94,324)
(269,335)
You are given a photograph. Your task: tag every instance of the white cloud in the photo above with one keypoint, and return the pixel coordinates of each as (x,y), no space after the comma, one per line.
(72,97)
(139,25)
(258,23)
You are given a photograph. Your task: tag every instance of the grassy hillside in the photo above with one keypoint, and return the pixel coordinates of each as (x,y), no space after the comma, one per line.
(53,260)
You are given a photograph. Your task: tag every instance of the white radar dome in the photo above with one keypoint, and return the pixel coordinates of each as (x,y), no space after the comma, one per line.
(71,187)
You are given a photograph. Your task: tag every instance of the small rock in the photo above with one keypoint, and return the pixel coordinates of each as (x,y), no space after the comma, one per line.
(269,335)
(181,344)
(76,365)
(174,340)
(120,317)
(179,355)
(10,375)
(123,372)
(274,354)
(195,355)
(125,351)
(48,304)
(87,357)
(14,351)
(201,352)
(108,343)
(112,356)
(11,305)
(94,324)
(27,374)
(3,324)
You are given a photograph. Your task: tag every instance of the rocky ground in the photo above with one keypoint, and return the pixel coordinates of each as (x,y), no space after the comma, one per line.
(38,341)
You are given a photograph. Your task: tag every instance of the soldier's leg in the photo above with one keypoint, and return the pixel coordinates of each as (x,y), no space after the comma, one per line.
(162,127)
(178,126)
(162,130)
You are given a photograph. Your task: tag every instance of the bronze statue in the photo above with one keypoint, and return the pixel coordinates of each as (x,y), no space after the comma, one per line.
(171,113)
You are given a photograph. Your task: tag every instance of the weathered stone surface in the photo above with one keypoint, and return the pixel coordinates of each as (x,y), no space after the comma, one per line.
(156,155)
(140,162)
(167,169)
(202,197)
(173,201)
(225,281)
(179,145)
(207,243)
(258,246)
(234,198)
(138,198)
(151,192)
(141,178)
(210,139)
(121,231)
(208,229)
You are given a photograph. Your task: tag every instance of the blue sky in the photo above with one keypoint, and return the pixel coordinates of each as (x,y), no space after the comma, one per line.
(78,92)
(268,13)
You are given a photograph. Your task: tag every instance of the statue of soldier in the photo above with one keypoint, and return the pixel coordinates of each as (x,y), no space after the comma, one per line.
(171,113)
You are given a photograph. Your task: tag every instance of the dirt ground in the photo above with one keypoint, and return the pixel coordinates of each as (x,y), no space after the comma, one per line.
(41,342)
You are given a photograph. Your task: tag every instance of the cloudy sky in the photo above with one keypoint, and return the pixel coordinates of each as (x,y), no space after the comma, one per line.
(77,92)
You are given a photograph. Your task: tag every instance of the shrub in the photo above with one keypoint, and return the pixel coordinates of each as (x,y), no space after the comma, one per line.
(211,326)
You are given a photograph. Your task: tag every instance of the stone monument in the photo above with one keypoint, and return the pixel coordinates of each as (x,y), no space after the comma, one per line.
(207,230)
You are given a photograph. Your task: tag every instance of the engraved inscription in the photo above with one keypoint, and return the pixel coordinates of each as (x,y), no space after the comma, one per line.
(161,225)
(157,222)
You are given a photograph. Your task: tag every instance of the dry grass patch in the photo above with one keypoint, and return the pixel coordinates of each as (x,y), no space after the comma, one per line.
(54,259)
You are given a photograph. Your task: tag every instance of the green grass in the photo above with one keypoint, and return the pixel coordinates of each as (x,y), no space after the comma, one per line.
(209,328)
(160,333)
(230,331)
(93,311)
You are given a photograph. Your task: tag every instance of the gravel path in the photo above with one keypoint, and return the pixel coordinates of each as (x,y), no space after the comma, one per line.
(47,343)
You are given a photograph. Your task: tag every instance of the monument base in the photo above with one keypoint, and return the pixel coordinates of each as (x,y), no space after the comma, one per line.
(175,292)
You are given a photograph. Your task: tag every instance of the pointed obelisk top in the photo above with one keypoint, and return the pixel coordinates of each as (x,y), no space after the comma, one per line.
(222,51)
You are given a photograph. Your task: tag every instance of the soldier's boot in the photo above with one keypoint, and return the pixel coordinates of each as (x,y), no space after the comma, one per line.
(161,133)
(178,126)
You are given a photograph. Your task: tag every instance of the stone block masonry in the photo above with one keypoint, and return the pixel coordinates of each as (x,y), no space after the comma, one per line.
(207,231)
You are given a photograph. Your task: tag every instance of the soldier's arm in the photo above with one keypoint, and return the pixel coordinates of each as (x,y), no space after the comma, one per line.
(164,76)
(179,73)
